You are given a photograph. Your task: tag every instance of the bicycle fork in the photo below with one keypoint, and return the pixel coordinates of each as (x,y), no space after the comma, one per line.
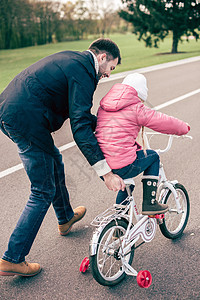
(169,186)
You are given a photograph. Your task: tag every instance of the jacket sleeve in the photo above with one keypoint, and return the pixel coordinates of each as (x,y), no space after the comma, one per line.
(160,122)
(94,122)
(83,123)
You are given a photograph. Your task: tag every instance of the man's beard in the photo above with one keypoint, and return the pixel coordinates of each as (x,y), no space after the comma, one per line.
(99,75)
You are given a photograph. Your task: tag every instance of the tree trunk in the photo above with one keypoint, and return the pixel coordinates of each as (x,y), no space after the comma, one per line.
(175,43)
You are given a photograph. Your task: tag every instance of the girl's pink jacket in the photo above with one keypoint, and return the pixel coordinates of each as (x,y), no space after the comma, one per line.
(120,117)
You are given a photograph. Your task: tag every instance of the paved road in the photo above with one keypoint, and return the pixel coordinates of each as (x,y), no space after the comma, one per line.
(173,264)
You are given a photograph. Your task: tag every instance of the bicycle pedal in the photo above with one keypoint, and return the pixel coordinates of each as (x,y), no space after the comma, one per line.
(158,216)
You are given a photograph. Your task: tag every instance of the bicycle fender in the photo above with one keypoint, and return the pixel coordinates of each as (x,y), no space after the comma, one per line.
(94,241)
(166,185)
(95,238)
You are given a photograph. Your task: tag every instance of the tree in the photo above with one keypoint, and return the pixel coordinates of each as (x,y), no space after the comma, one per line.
(104,12)
(74,20)
(45,19)
(153,20)
(27,22)
(15,24)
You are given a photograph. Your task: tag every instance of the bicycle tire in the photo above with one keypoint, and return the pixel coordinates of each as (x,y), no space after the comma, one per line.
(100,262)
(174,224)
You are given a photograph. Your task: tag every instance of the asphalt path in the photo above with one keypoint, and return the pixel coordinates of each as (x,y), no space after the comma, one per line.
(174,265)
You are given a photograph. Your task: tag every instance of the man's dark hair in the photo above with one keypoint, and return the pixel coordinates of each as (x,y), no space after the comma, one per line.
(107,46)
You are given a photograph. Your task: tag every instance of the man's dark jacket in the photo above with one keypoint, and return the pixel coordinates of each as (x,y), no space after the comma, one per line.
(39,99)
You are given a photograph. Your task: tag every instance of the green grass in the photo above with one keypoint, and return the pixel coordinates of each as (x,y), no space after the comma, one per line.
(134,54)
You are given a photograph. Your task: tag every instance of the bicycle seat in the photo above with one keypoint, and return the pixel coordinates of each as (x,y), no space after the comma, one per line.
(129,181)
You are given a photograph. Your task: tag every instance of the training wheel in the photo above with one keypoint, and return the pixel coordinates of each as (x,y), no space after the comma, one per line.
(84,265)
(144,279)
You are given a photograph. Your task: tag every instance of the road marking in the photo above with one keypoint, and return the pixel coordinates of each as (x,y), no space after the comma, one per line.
(67,146)
(151,68)
(20,166)
(170,102)
(11,170)
(72,144)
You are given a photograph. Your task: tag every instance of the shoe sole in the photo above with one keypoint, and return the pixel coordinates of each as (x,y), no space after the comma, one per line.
(7,273)
(155,212)
(66,232)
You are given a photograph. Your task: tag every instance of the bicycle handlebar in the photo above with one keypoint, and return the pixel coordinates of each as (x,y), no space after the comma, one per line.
(170,139)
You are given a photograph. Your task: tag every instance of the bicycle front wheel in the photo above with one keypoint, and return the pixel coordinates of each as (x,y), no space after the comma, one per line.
(174,223)
(106,264)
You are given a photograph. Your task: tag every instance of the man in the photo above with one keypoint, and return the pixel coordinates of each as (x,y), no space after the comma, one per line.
(35,103)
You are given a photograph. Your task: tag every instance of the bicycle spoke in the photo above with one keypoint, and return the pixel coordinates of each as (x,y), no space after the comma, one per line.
(109,237)
(106,266)
(104,260)
(110,269)
(176,219)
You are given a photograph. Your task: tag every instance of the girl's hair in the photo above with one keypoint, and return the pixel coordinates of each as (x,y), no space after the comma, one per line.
(143,142)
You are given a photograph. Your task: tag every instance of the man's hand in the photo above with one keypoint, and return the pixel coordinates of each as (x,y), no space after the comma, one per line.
(114,182)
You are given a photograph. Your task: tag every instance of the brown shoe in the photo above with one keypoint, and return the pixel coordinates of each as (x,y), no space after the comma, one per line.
(79,213)
(23,269)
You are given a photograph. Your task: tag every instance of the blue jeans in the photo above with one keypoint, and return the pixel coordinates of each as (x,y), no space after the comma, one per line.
(47,177)
(149,164)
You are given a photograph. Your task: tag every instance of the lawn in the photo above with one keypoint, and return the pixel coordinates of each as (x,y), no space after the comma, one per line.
(134,54)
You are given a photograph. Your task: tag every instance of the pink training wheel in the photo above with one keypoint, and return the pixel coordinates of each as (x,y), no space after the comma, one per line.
(144,279)
(84,265)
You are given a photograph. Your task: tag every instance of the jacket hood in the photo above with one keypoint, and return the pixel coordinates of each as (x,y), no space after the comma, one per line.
(119,96)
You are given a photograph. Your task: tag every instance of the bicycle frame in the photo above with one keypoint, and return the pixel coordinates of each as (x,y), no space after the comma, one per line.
(145,226)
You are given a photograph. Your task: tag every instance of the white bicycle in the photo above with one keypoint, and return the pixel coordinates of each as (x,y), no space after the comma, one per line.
(119,228)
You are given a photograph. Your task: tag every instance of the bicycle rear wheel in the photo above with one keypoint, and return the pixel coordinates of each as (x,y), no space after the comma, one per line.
(106,265)
(173,223)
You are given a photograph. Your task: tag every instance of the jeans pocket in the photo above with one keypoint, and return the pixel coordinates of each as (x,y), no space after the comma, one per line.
(22,143)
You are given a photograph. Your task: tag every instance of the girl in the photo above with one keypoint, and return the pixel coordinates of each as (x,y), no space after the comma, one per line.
(120,117)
